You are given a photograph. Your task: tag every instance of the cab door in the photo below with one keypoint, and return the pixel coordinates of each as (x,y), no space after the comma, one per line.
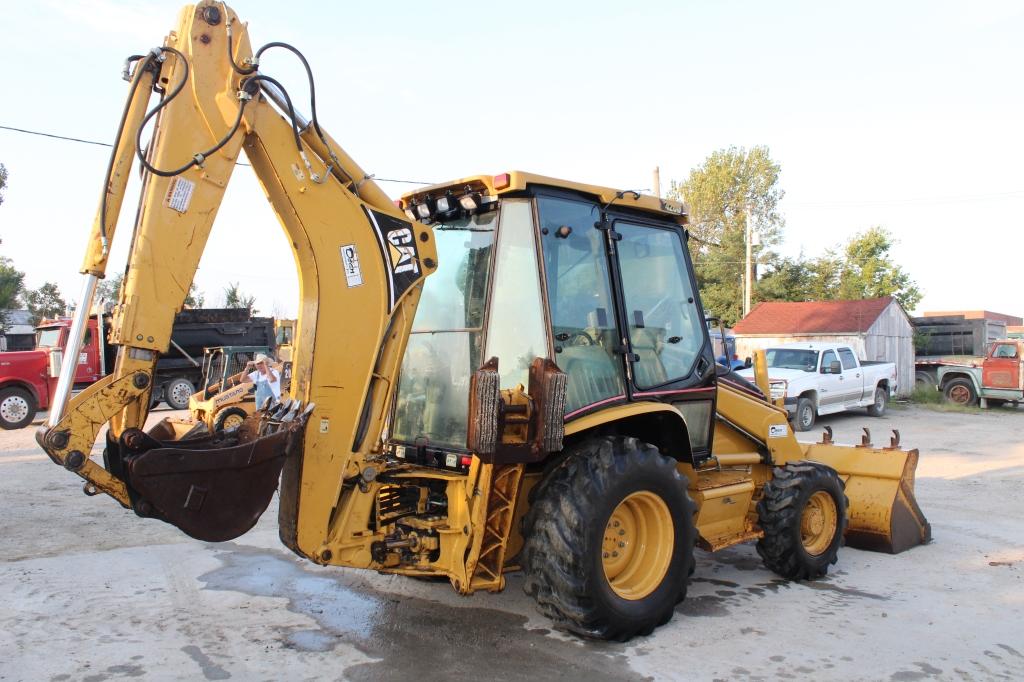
(671,357)
(1001,368)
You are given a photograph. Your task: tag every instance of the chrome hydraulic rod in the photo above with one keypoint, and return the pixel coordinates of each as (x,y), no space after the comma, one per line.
(69,361)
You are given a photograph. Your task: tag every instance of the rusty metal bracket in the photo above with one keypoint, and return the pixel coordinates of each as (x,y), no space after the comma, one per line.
(826,436)
(894,442)
(865,440)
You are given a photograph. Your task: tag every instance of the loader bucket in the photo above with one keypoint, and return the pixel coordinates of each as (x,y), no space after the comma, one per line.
(884,515)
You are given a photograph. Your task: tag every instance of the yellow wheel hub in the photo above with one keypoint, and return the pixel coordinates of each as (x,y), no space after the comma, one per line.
(233,421)
(638,544)
(818,523)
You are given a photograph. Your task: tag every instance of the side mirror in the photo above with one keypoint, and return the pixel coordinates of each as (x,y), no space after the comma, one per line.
(56,359)
(748,363)
(835,368)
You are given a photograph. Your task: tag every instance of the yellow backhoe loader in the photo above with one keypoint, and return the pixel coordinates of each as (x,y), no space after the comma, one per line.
(501,372)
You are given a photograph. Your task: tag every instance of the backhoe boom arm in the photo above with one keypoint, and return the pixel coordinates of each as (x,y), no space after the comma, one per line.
(360,264)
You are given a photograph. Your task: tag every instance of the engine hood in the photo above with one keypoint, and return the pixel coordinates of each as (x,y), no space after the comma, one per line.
(22,357)
(777,374)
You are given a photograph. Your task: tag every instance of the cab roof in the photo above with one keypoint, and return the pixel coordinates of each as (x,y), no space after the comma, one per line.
(518,181)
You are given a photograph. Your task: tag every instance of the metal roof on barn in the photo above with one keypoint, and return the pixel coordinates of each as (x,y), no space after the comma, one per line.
(813,317)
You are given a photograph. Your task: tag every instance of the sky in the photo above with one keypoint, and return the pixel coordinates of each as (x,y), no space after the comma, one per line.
(906,115)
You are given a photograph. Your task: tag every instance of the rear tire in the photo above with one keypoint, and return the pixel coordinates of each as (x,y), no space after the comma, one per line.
(610,496)
(924,379)
(17,408)
(177,392)
(805,415)
(803,514)
(960,392)
(229,418)
(877,408)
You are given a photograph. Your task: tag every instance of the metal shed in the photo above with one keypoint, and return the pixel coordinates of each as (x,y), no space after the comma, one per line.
(877,329)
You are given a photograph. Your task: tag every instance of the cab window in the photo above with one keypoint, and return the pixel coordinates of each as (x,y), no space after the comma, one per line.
(1005,350)
(826,361)
(848,358)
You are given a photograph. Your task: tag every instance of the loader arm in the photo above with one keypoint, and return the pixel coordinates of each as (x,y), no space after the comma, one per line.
(360,265)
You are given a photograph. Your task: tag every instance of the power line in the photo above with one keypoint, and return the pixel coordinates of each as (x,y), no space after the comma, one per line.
(108,145)
(56,137)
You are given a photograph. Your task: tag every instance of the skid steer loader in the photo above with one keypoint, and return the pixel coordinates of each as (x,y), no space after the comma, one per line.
(502,372)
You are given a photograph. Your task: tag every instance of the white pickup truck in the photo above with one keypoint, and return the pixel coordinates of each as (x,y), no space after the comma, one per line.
(823,378)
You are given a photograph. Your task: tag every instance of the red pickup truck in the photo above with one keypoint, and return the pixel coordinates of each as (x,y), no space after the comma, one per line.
(28,378)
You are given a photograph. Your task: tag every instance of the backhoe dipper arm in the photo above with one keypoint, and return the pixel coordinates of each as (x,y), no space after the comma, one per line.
(360,264)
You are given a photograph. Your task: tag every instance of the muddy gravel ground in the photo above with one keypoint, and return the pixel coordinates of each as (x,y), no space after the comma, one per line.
(90,592)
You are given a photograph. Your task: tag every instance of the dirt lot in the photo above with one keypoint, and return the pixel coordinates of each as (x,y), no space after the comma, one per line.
(90,592)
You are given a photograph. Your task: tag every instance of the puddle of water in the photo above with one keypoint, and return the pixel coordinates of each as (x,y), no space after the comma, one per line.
(405,632)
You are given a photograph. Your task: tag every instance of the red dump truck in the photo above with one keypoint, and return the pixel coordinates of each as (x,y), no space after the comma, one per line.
(28,378)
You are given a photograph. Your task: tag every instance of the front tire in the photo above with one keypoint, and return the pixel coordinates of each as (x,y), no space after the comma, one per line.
(805,415)
(609,540)
(177,392)
(803,514)
(17,408)
(229,418)
(960,392)
(877,408)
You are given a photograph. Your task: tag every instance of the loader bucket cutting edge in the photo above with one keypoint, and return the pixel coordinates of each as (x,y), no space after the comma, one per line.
(884,514)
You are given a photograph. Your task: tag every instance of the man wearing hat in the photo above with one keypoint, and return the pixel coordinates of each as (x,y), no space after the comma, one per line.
(266,378)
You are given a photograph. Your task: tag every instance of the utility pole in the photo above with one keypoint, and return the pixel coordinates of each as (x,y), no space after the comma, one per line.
(657,181)
(748,269)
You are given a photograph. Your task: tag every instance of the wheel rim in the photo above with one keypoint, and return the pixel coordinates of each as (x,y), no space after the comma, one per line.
(805,417)
(879,400)
(180,393)
(818,523)
(638,544)
(960,394)
(13,409)
(232,421)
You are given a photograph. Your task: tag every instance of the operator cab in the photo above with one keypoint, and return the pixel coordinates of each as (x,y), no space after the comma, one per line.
(598,281)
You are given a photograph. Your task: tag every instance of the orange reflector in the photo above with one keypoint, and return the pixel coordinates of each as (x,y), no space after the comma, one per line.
(502,181)
(397,203)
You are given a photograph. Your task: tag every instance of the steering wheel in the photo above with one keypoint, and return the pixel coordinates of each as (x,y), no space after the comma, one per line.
(580,334)
(570,338)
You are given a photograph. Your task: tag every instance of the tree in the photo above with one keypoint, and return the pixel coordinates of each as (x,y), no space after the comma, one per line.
(196,298)
(868,271)
(12,283)
(861,268)
(45,301)
(786,279)
(110,289)
(234,298)
(3,181)
(719,193)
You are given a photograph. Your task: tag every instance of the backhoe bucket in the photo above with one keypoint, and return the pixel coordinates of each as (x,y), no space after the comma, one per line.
(884,515)
(212,487)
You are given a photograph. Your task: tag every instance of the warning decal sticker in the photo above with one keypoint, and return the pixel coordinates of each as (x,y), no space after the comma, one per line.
(179,194)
